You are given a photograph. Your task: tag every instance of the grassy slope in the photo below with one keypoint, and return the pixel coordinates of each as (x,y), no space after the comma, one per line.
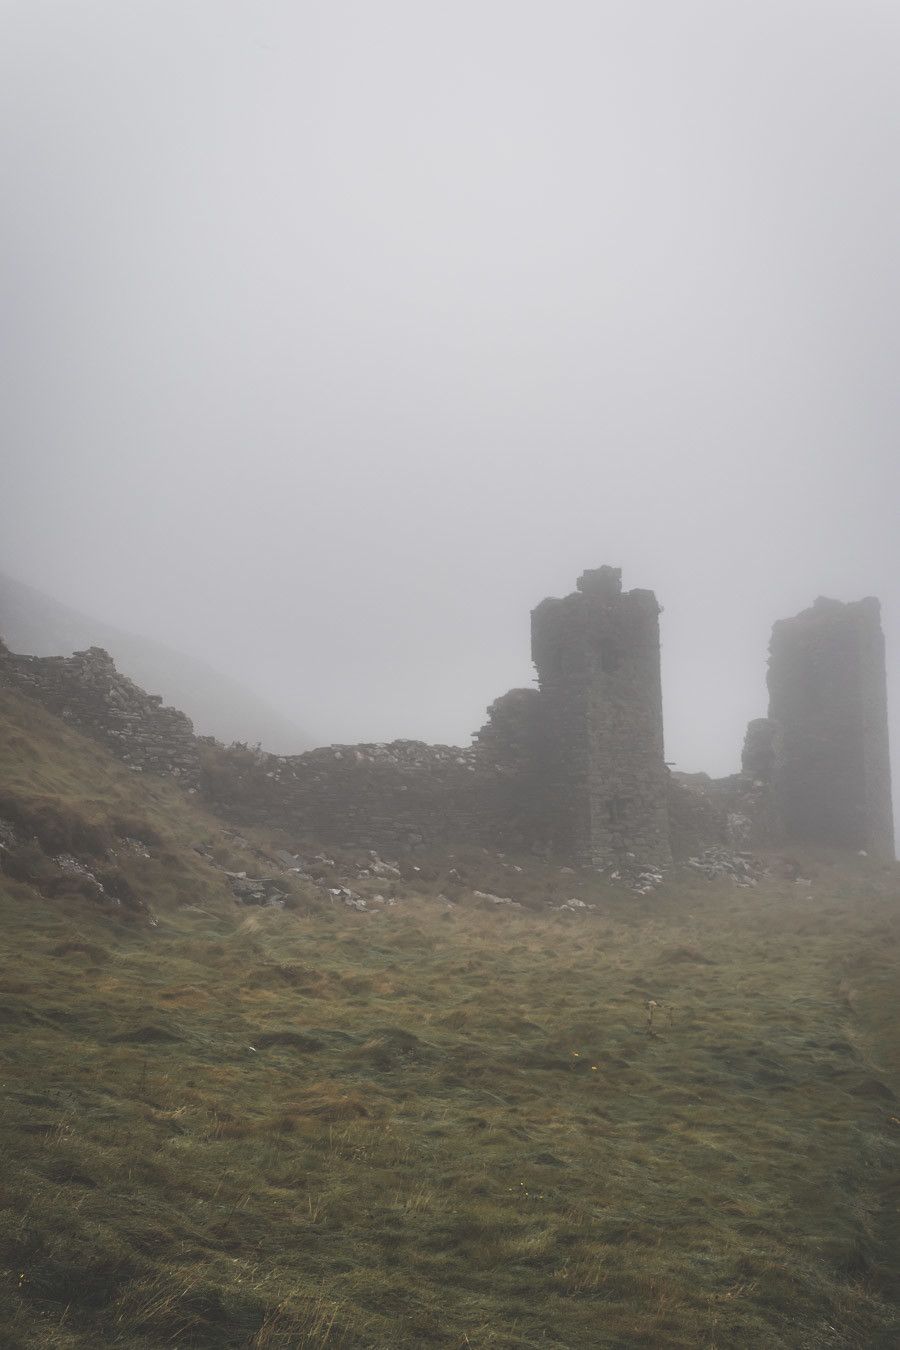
(452,1127)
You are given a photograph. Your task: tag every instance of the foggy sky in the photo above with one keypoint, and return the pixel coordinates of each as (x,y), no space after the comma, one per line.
(337,335)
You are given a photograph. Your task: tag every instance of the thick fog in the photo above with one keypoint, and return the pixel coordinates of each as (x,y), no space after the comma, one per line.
(336,335)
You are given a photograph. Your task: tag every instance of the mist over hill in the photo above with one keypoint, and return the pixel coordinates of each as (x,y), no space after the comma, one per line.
(36,624)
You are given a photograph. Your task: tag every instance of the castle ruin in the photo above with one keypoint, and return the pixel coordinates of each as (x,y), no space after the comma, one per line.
(574,768)
(828,759)
(603,773)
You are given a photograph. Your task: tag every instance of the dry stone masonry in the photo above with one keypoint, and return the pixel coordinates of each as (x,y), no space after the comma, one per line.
(87,691)
(401,795)
(828,721)
(574,768)
(604,773)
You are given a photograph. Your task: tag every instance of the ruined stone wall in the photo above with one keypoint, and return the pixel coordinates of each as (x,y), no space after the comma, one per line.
(88,692)
(402,795)
(513,787)
(733,812)
(604,774)
(509,754)
(757,756)
(828,706)
(575,767)
(697,817)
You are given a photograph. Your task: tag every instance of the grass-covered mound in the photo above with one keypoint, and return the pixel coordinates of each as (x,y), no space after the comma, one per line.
(668,1121)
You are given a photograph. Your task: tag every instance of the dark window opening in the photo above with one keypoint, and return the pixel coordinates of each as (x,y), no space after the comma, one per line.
(618,809)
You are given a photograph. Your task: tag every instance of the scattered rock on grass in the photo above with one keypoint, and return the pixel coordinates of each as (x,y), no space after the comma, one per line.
(497,899)
(716,863)
(641,878)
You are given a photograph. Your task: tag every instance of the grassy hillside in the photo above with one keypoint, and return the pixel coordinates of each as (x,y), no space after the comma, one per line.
(665,1121)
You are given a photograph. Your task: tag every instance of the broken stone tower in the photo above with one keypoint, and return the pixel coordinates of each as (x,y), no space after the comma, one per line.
(830,766)
(603,773)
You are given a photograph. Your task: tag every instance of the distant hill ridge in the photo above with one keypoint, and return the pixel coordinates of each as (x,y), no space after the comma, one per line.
(38,625)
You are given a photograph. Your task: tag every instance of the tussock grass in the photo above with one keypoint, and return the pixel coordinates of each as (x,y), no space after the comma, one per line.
(444,1125)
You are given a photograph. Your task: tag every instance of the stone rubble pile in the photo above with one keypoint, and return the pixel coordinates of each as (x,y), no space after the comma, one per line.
(269,890)
(73,868)
(739,831)
(66,863)
(378,868)
(641,878)
(717,863)
(136,846)
(496,899)
(256,890)
(350,898)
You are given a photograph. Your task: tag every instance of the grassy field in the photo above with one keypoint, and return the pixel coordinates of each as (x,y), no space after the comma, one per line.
(666,1121)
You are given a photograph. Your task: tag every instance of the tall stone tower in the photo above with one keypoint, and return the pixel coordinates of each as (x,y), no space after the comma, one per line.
(831,773)
(603,768)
